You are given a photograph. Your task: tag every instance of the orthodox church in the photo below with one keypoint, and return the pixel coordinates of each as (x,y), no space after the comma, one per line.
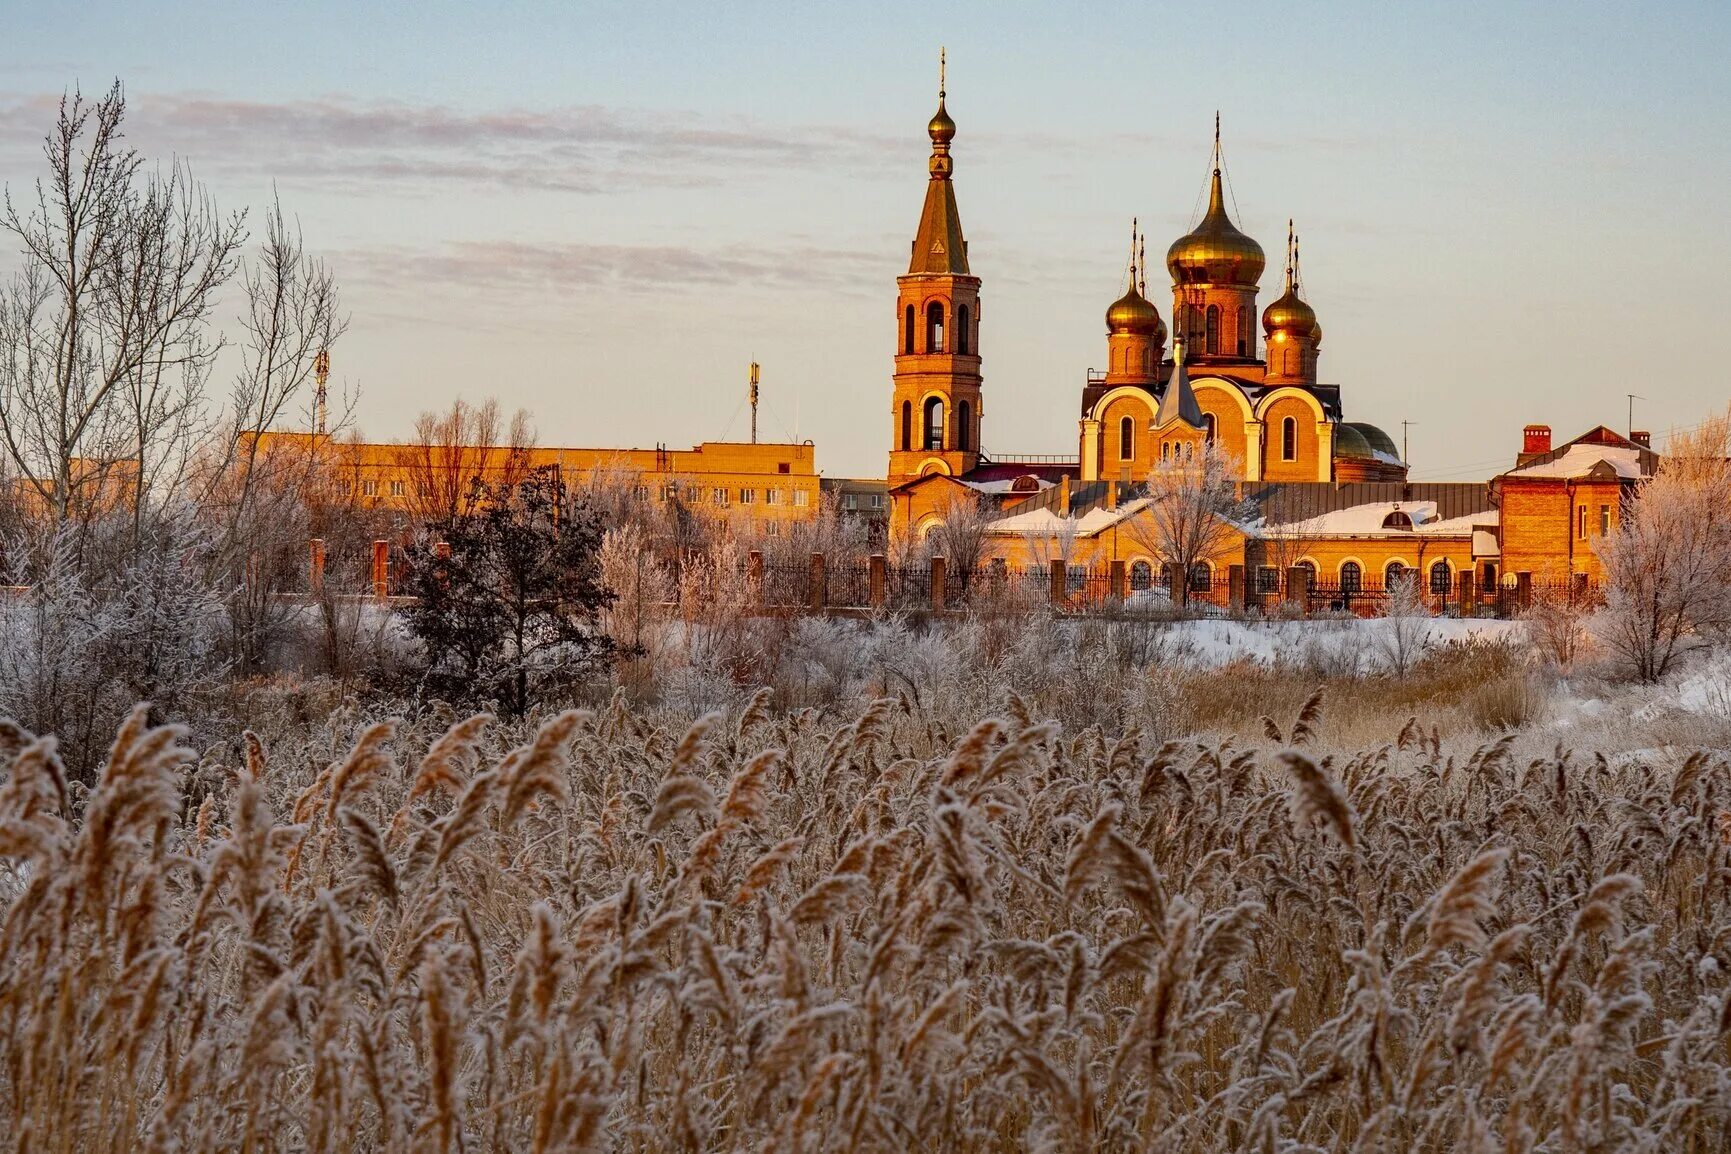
(1254,393)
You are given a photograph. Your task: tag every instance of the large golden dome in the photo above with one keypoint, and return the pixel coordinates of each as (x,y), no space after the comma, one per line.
(1215,252)
(1290,314)
(1134,313)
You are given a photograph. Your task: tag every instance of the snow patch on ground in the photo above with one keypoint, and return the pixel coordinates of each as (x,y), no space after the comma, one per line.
(1217,642)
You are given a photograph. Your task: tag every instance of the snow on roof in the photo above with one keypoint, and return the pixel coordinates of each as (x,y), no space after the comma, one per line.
(1368,520)
(1387,458)
(1485,544)
(1038,521)
(1579,460)
(1094,521)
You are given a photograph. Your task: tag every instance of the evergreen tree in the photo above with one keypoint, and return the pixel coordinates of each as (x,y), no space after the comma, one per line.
(511,613)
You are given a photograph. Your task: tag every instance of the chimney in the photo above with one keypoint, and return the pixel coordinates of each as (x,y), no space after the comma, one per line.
(1064,495)
(1642,438)
(1535,442)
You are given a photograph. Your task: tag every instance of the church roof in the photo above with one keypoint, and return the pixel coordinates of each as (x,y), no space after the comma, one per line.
(1179,401)
(939,247)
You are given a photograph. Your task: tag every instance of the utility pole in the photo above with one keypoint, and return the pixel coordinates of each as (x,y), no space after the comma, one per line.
(1632,399)
(1404,426)
(321,374)
(754,402)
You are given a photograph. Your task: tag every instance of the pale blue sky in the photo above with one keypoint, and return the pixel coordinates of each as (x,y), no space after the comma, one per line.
(1509,212)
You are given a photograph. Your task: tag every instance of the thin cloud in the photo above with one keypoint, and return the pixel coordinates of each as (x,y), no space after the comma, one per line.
(578,148)
(513,269)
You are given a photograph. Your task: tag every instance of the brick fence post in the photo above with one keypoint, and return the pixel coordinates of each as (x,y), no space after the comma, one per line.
(877,580)
(754,577)
(381,568)
(1467,607)
(1523,591)
(939,574)
(1235,587)
(1177,584)
(1119,580)
(1059,578)
(316,565)
(1298,588)
(817,590)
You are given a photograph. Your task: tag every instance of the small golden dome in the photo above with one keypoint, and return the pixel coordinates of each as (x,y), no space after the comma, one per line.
(1290,314)
(1350,444)
(941,128)
(1215,252)
(1134,313)
(1316,336)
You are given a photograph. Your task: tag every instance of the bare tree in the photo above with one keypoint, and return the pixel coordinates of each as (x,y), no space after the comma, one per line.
(456,456)
(1193,513)
(1668,565)
(292,315)
(960,534)
(104,342)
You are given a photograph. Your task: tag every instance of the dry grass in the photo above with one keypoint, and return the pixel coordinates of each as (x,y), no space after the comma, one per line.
(764,931)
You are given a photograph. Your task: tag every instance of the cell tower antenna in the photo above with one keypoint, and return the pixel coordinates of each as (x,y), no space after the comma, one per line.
(321,374)
(754,402)
(1632,399)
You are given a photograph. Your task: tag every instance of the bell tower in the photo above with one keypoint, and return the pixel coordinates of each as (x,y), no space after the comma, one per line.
(935,415)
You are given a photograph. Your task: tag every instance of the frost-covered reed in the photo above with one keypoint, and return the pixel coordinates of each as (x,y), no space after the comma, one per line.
(781,931)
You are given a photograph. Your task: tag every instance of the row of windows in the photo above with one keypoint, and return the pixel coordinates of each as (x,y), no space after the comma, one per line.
(933,435)
(872,501)
(1206,324)
(1127,437)
(1268,576)
(721,495)
(935,331)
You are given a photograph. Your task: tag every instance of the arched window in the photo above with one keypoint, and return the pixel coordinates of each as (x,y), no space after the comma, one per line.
(1208,427)
(1289,439)
(1440,578)
(1201,577)
(908,331)
(1351,577)
(1393,574)
(935,423)
(935,327)
(1165,450)
(1244,332)
(907,422)
(964,425)
(1141,575)
(1310,568)
(1211,342)
(962,330)
(1127,439)
(1397,520)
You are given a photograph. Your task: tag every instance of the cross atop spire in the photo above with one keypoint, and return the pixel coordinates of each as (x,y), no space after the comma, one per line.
(940,74)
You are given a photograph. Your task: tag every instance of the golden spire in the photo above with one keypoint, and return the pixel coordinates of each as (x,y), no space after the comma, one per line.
(1133,254)
(939,247)
(1142,253)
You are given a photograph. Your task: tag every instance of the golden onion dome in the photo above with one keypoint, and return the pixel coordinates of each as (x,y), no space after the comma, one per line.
(1134,313)
(941,128)
(1316,336)
(1291,315)
(1350,444)
(1215,252)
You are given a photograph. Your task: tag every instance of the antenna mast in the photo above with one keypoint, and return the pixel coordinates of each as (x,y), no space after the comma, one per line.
(321,374)
(754,402)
